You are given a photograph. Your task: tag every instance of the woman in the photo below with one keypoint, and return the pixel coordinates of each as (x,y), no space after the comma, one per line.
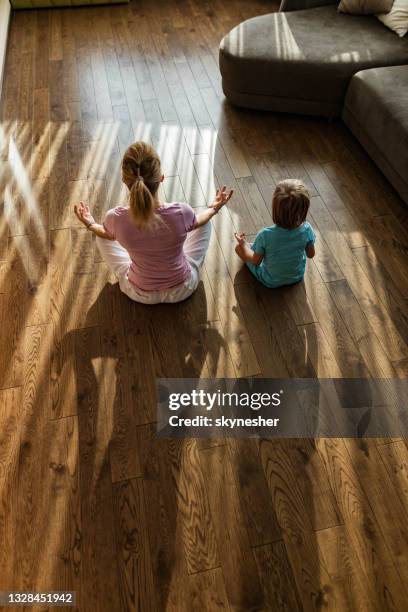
(155,250)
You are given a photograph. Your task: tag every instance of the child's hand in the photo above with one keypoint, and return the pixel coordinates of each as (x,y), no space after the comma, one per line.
(221,198)
(240,238)
(84,214)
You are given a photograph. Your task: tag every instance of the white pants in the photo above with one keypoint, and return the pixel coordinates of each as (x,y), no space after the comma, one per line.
(118,261)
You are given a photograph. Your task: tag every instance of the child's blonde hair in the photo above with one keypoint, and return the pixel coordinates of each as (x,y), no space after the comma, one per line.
(290,204)
(141,172)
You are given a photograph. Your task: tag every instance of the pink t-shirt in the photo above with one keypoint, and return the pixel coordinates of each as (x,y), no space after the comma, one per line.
(158,261)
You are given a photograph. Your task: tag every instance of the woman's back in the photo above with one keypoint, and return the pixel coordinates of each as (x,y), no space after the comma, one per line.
(158,261)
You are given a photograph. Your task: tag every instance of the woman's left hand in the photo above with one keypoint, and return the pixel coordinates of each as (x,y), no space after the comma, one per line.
(84,214)
(221,198)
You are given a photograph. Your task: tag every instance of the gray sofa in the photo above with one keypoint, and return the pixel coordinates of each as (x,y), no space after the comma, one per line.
(308,58)
(376,111)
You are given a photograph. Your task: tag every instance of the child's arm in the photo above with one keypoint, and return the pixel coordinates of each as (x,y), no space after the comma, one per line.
(310,245)
(310,250)
(221,198)
(83,213)
(244,251)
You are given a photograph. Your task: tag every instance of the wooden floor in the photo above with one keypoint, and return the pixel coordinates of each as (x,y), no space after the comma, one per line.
(90,500)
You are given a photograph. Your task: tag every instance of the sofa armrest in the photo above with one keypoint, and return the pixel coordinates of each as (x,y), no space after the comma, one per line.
(298,5)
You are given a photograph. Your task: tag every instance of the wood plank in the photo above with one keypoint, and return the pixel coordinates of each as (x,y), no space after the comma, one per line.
(49,455)
(232,537)
(309,573)
(265,344)
(364,171)
(58,109)
(42,42)
(352,589)
(360,285)
(390,242)
(277,579)
(324,259)
(40,163)
(129,401)
(389,289)
(130,412)
(219,363)
(63,511)
(234,330)
(13,305)
(260,172)
(62,374)
(384,499)
(299,304)
(286,333)
(395,459)
(192,345)
(311,475)
(171,582)
(98,582)
(262,524)
(5,197)
(335,328)
(36,382)
(362,333)
(208,591)
(35,252)
(56,46)
(260,213)
(319,351)
(10,438)
(194,514)
(362,526)
(70,75)
(345,217)
(134,562)
(231,146)
(224,175)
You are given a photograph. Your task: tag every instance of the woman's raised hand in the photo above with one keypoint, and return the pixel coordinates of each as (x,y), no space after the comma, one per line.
(221,198)
(84,214)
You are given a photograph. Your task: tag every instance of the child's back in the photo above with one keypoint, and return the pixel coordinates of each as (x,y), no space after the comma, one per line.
(284,254)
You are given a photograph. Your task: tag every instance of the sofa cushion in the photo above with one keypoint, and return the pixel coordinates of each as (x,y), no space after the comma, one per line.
(307,55)
(376,111)
(34,4)
(365,7)
(397,18)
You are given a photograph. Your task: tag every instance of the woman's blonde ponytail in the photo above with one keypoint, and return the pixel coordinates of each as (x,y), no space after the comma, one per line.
(141,172)
(141,203)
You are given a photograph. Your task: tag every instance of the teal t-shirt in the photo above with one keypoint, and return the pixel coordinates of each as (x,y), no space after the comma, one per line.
(284,261)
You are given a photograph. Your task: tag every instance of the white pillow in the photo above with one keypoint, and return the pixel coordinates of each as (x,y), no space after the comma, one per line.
(397,18)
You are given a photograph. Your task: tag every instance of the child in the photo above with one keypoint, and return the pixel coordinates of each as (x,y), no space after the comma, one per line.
(278,255)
